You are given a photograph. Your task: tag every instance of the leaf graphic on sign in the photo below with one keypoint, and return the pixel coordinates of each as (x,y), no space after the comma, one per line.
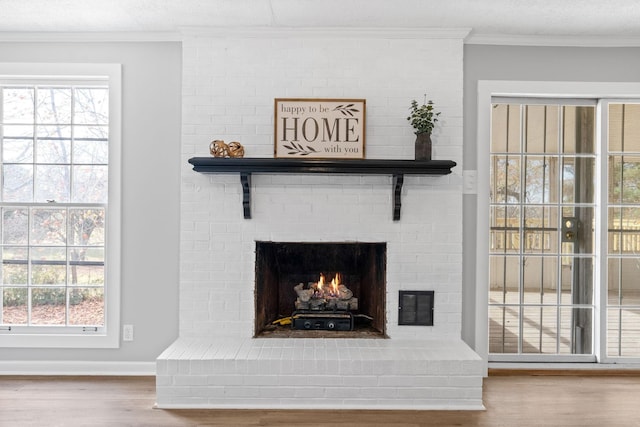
(299,149)
(346,110)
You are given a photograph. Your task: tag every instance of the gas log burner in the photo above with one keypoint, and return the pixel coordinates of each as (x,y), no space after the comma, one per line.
(320,289)
(324,306)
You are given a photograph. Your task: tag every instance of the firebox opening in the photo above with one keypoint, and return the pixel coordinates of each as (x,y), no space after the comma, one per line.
(320,289)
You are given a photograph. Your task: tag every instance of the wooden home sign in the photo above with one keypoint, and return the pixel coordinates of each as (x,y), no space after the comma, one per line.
(319,128)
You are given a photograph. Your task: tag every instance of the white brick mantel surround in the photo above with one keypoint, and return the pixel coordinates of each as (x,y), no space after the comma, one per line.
(230,80)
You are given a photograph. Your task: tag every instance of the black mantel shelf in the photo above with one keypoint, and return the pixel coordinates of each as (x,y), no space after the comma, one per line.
(247,166)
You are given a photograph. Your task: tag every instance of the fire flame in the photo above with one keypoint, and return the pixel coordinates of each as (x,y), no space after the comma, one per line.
(334,283)
(332,288)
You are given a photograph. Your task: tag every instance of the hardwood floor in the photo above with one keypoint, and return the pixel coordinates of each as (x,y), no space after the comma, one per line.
(511,401)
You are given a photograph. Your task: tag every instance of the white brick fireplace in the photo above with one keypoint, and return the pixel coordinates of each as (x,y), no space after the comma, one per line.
(230,80)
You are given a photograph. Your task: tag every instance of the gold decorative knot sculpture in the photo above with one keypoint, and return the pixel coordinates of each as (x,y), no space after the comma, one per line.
(235,149)
(218,148)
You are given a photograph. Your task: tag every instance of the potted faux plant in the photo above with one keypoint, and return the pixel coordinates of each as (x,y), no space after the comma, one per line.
(423,119)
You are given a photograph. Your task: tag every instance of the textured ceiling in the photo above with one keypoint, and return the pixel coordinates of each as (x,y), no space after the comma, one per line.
(614,18)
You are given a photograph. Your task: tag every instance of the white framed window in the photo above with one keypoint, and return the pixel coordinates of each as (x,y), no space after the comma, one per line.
(60,129)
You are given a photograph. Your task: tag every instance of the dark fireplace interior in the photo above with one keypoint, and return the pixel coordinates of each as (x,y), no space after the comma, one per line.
(355,309)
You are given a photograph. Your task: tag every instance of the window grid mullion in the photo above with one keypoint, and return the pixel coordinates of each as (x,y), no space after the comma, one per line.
(558,206)
(523,182)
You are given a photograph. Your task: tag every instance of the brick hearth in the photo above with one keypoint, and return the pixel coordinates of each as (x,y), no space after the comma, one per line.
(320,373)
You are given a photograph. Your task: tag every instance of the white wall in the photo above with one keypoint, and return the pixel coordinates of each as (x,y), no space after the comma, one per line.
(230,80)
(150,149)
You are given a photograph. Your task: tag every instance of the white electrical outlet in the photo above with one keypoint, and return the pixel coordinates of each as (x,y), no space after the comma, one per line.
(127,333)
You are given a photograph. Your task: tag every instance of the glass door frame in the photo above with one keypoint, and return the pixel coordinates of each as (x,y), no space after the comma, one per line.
(487,89)
(603,116)
(560,205)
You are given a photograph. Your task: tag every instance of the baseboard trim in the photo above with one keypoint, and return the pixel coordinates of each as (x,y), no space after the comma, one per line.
(55,367)
(562,369)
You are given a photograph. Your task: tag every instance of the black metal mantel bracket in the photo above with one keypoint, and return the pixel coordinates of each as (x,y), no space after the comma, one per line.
(246,166)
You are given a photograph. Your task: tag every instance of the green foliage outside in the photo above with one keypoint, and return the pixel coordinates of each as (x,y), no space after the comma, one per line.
(13,297)
(17,296)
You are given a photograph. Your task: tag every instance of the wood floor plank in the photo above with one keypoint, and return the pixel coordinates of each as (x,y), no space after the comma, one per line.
(514,400)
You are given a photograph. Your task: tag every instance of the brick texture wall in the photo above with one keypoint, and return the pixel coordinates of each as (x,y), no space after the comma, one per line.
(230,80)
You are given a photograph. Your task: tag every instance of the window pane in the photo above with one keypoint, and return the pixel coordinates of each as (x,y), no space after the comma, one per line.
(49,227)
(86,306)
(538,176)
(579,130)
(15,226)
(54,105)
(624,332)
(15,253)
(15,270)
(17,150)
(95,255)
(504,329)
(54,144)
(541,217)
(624,288)
(91,152)
(45,253)
(505,128)
(17,185)
(91,132)
(631,332)
(504,234)
(577,280)
(504,280)
(90,184)
(14,306)
(541,129)
(539,329)
(18,131)
(624,127)
(540,241)
(505,179)
(624,179)
(52,183)
(48,274)
(91,106)
(86,275)
(86,227)
(578,180)
(54,151)
(624,230)
(613,332)
(14,274)
(48,306)
(18,105)
(540,280)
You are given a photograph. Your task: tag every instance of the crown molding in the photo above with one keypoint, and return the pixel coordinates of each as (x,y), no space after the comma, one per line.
(181,33)
(552,40)
(88,37)
(326,32)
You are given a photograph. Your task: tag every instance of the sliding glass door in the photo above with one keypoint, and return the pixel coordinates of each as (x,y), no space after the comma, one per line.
(564,238)
(542,236)
(622,245)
